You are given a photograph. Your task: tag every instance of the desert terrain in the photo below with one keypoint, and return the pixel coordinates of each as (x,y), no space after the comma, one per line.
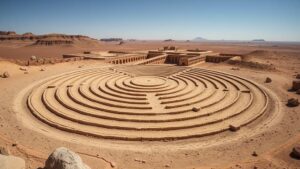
(138,114)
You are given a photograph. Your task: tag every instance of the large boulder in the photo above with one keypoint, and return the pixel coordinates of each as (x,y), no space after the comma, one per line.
(11,162)
(63,158)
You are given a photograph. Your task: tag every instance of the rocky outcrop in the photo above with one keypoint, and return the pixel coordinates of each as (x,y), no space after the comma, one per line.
(7,33)
(199,39)
(3,33)
(51,42)
(63,158)
(217,58)
(111,39)
(251,64)
(48,39)
(258,40)
(30,36)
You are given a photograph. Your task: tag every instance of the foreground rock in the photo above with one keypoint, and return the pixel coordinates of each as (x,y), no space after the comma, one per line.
(5,75)
(235,68)
(296,85)
(268,80)
(33,58)
(296,152)
(63,158)
(254,154)
(23,69)
(233,128)
(4,151)
(11,162)
(293,102)
(195,109)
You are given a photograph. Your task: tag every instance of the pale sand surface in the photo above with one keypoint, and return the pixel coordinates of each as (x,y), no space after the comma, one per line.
(272,135)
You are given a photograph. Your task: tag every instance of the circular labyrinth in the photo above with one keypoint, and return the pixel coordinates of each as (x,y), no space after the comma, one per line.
(107,103)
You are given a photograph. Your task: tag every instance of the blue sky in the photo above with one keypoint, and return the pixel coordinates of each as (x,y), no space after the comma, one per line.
(274,20)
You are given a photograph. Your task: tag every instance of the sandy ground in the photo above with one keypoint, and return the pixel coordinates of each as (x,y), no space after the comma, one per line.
(271,137)
(24,50)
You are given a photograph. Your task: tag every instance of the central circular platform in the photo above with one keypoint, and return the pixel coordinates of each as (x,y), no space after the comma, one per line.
(148,81)
(113,104)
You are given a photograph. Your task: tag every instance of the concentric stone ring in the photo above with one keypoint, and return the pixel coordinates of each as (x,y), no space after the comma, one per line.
(108,103)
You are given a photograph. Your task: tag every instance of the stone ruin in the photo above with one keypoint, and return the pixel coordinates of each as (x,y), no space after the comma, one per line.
(175,102)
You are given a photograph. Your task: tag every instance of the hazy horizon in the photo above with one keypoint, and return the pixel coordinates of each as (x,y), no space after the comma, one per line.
(272,20)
